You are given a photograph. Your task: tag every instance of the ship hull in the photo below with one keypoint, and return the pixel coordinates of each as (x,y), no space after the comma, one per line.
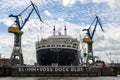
(59,56)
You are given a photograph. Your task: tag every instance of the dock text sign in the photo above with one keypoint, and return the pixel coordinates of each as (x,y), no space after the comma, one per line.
(51,69)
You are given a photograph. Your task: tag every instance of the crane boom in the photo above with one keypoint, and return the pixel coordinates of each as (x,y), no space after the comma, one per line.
(17,21)
(97,21)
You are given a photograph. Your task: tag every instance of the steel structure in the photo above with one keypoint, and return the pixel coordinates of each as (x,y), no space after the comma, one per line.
(89,39)
(19,24)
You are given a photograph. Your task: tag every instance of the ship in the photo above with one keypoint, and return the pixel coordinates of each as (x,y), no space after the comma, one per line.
(58,50)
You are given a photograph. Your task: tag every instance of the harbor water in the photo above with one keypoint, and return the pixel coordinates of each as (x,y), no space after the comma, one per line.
(59,78)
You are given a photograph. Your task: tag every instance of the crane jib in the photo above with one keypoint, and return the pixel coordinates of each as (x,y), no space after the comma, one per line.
(18,22)
(96,21)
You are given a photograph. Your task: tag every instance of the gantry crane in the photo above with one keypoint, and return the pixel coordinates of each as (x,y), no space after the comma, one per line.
(16,30)
(89,39)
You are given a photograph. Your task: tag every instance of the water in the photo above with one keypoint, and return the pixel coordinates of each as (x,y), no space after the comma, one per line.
(59,78)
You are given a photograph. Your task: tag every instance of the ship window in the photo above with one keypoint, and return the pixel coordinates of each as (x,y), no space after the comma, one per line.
(48,45)
(43,46)
(53,45)
(58,45)
(63,45)
(77,47)
(68,45)
(74,46)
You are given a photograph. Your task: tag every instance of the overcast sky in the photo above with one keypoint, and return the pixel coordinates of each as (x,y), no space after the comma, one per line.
(75,14)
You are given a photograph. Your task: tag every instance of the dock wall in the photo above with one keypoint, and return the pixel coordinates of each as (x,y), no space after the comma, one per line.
(58,71)
(5,71)
(62,71)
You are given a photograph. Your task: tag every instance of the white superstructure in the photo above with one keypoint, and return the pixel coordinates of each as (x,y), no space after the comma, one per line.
(58,41)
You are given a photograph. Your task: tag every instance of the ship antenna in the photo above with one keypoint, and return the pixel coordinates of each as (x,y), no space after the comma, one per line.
(0,55)
(54,30)
(41,32)
(65,30)
(38,38)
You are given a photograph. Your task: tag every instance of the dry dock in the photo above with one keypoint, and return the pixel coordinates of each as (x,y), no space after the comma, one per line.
(63,71)
(58,71)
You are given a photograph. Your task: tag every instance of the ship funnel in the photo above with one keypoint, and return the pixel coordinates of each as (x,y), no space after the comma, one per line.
(54,30)
(65,30)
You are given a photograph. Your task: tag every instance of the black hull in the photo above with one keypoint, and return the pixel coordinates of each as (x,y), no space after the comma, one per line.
(63,57)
